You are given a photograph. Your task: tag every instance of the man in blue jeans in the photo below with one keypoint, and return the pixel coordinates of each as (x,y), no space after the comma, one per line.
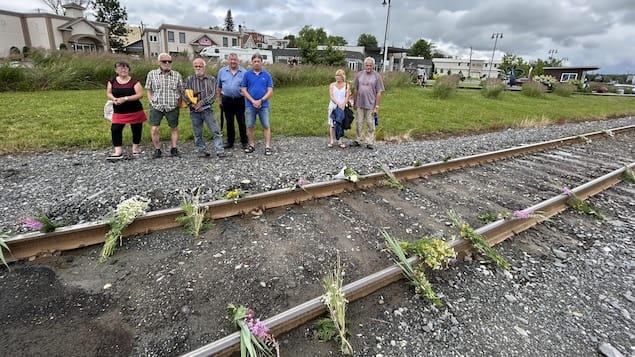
(257,88)
(199,93)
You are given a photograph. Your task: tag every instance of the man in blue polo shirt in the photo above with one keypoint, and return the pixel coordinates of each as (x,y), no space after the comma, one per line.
(257,88)
(230,98)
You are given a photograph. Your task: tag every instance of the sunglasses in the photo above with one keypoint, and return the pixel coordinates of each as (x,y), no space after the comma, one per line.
(167,61)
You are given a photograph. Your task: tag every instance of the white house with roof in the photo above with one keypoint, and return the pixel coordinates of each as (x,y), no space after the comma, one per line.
(474,68)
(72,31)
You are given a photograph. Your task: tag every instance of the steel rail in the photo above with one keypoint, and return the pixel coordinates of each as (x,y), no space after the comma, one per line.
(494,233)
(81,235)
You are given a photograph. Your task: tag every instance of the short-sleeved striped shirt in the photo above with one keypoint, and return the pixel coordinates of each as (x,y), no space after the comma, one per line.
(166,89)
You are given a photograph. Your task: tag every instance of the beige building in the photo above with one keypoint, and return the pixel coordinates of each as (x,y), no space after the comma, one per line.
(188,41)
(49,31)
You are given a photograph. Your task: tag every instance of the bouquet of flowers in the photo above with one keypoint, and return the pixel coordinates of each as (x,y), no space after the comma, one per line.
(255,338)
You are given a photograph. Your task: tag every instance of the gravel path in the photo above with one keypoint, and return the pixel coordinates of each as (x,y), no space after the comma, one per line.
(81,186)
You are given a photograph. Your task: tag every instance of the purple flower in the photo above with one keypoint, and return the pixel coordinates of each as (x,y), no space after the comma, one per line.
(258,328)
(522,214)
(302,182)
(567,191)
(34,224)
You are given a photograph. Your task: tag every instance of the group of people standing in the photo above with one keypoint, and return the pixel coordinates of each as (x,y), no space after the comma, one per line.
(242,96)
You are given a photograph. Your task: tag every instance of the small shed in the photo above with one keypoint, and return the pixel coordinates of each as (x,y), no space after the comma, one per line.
(569,73)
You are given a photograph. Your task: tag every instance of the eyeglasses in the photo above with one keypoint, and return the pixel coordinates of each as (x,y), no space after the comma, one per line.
(198,66)
(166,61)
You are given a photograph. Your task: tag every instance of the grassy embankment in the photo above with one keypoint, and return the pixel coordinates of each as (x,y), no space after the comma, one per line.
(64,119)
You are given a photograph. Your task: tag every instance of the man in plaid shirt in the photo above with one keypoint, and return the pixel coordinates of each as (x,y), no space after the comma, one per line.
(164,88)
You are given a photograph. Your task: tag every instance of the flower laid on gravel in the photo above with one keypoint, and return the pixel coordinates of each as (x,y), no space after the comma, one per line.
(335,301)
(42,222)
(391,179)
(124,214)
(347,173)
(580,205)
(628,175)
(255,338)
(234,194)
(468,233)
(195,219)
(3,245)
(433,252)
(415,274)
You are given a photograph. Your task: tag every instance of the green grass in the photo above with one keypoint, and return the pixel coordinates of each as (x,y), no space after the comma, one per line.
(63,119)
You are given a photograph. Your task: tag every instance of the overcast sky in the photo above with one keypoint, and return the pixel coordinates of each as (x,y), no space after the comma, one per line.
(585,32)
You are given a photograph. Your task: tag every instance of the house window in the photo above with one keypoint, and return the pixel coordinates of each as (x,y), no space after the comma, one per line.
(234,42)
(568,77)
(170,36)
(181,37)
(154,38)
(225,42)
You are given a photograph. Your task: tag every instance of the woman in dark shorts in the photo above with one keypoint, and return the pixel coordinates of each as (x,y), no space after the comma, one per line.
(125,93)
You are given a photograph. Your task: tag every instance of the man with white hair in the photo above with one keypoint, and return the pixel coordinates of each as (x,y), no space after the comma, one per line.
(199,95)
(367,87)
(164,88)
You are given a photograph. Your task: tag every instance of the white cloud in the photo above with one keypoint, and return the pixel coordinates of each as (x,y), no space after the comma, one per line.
(586,32)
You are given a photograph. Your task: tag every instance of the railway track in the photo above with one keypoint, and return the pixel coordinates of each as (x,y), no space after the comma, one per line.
(73,237)
(294,233)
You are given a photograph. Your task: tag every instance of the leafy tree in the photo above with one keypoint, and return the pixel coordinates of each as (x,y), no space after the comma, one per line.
(229,21)
(308,40)
(332,57)
(111,12)
(292,41)
(510,61)
(367,40)
(337,41)
(437,54)
(421,48)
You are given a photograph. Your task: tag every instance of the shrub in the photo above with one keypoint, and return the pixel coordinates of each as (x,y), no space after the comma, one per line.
(564,89)
(445,87)
(492,88)
(533,89)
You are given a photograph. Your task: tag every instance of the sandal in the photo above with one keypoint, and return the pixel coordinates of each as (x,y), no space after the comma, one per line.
(342,145)
(250,149)
(329,145)
(268,151)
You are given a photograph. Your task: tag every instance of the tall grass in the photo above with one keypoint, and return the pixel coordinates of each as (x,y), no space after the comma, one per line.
(534,89)
(564,89)
(492,88)
(445,86)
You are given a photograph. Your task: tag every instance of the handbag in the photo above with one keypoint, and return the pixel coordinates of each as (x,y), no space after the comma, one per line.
(349,116)
(108,110)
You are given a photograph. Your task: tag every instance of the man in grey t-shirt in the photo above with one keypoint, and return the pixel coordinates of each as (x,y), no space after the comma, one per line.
(367,87)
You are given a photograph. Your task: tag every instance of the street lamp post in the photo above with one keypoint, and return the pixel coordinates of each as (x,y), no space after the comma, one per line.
(495,37)
(385,63)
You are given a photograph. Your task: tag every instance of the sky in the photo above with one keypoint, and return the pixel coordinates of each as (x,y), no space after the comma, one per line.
(597,33)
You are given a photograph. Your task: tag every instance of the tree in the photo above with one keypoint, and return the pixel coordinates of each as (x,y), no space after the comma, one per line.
(421,48)
(229,21)
(292,41)
(337,41)
(510,61)
(308,40)
(110,12)
(367,40)
(332,57)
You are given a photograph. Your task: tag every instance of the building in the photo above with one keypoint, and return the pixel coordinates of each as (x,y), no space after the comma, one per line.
(474,68)
(51,32)
(568,73)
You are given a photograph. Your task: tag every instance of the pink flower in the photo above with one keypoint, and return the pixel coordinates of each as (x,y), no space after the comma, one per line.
(34,224)
(522,214)
(302,182)
(567,191)
(258,328)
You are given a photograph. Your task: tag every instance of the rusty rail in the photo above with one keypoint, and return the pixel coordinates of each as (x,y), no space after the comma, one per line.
(494,233)
(81,235)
